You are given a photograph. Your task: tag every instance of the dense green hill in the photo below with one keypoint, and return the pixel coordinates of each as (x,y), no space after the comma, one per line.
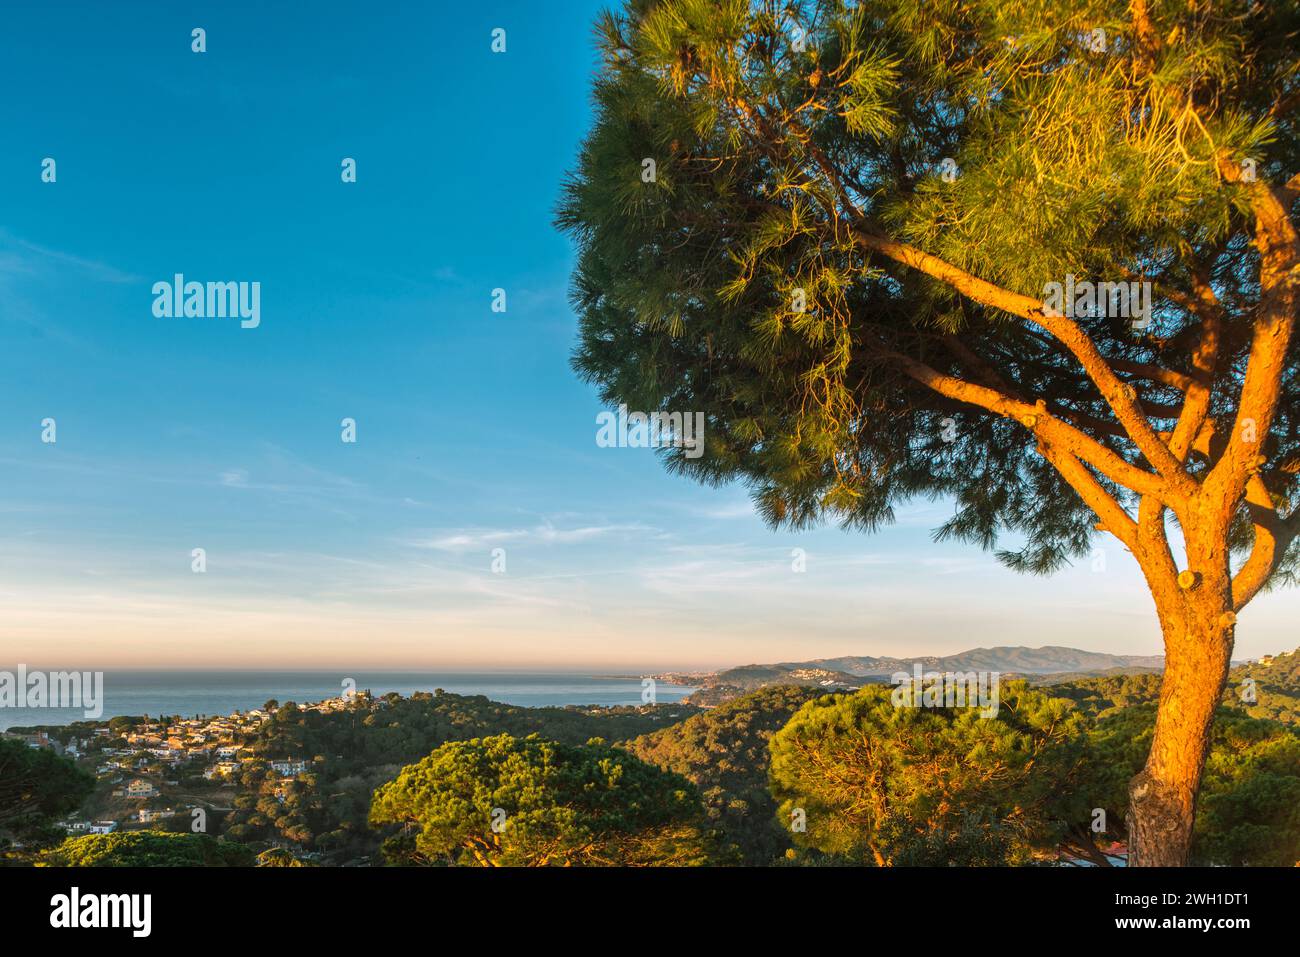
(1276,688)
(724,752)
(752,677)
(352,752)
(1275,693)
(400,730)
(1102,696)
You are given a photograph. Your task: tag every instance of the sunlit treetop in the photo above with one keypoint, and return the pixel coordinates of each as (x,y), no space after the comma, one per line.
(833,228)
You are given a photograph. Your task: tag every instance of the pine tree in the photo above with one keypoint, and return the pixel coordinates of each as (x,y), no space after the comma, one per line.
(508,801)
(880,784)
(835,228)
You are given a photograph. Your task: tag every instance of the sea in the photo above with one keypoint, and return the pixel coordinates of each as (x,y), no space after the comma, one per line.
(193,693)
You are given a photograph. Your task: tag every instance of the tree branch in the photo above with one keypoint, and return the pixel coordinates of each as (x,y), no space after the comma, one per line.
(1279,249)
(1040,422)
(1116,393)
(1273,536)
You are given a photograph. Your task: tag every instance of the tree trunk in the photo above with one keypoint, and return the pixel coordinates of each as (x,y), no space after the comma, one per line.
(1198,633)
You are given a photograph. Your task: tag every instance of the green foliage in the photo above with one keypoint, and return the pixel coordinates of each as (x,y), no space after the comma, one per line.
(890,785)
(739,283)
(1276,691)
(725,753)
(36,786)
(279,857)
(955,789)
(507,801)
(1249,812)
(354,751)
(398,729)
(147,849)
(1101,696)
(1249,807)
(1275,694)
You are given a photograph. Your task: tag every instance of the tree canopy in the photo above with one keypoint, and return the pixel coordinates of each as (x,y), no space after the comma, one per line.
(147,849)
(1250,800)
(37,786)
(1033,256)
(725,753)
(355,750)
(865,780)
(802,270)
(507,801)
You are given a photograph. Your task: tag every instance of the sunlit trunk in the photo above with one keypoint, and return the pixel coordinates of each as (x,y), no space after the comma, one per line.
(1198,624)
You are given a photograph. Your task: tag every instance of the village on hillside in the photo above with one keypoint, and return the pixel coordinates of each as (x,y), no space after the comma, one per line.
(151,771)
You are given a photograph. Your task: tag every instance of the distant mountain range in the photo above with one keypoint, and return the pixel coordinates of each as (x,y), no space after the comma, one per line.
(1049,659)
(853,671)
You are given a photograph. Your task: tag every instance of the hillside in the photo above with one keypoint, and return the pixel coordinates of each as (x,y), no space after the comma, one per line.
(750,677)
(1047,665)
(347,753)
(320,811)
(1276,687)
(1268,688)
(724,752)
(1008,659)
(1063,677)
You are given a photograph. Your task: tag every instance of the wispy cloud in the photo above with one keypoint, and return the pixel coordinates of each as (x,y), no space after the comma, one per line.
(20,258)
(291,480)
(728,510)
(466,540)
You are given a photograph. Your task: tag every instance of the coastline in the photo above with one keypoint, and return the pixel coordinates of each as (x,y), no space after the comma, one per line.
(191,694)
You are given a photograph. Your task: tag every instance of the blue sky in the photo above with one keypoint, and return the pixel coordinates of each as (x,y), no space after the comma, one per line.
(472,432)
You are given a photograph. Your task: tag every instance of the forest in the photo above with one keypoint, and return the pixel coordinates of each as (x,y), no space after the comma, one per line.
(784,776)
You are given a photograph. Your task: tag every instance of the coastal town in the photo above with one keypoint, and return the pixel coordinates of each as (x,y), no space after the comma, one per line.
(170,772)
(152,771)
(284,784)
(289,784)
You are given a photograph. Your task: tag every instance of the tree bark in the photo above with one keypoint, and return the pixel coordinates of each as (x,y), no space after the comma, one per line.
(1198,630)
